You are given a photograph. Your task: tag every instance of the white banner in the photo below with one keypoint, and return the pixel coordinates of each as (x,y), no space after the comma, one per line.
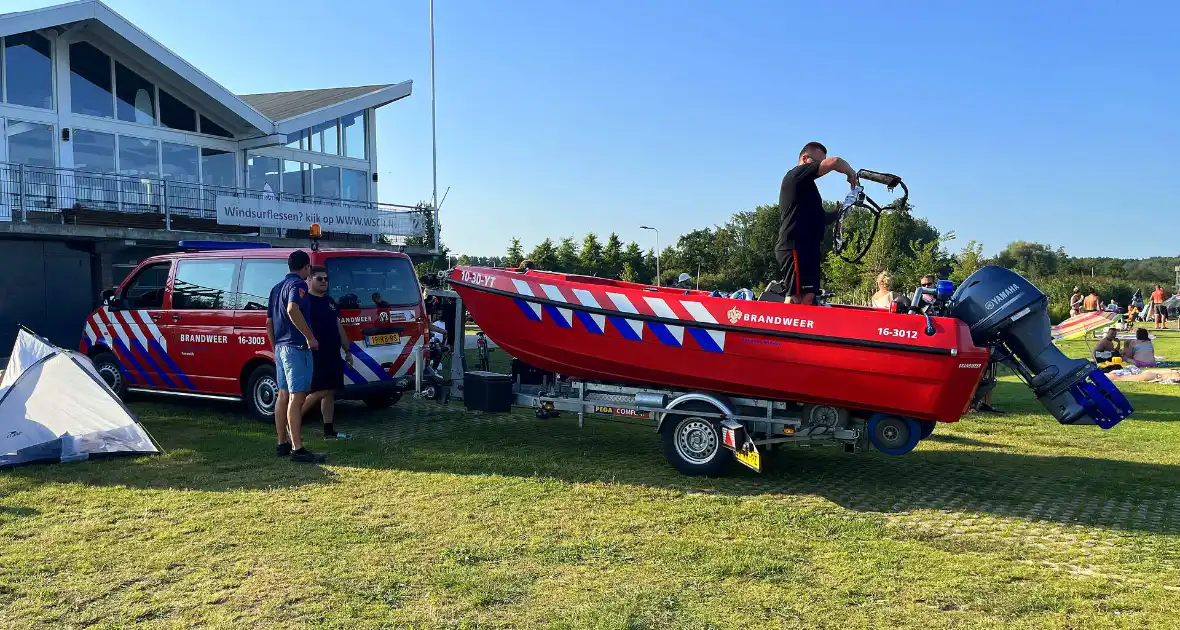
(294,215)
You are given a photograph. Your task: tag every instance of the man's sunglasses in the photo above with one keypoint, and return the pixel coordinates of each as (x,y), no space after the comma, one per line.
(320,278)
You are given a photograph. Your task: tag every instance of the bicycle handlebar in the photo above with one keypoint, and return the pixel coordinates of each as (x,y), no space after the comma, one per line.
(887,179)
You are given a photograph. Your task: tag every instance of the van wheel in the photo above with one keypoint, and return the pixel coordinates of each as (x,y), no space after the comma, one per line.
(262,393)
(107,366)
(382,402)
(692,443)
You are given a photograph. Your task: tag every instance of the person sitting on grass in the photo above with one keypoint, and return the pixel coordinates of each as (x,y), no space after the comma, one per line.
(1106,347)
(1141,351)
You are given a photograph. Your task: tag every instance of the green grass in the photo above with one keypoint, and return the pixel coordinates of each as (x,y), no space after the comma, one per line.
(438,518)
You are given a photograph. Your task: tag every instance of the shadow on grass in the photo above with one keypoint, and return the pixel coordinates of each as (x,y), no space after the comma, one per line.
(214,448)
(965,441)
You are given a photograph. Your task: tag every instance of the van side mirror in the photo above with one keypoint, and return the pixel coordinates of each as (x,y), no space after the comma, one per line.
(108,297)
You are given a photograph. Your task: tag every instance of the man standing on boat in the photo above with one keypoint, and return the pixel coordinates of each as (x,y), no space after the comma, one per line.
(802,232)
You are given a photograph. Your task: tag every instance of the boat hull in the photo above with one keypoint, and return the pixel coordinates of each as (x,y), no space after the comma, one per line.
(594,329)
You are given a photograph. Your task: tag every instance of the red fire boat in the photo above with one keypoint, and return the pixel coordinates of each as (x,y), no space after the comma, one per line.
(858,358)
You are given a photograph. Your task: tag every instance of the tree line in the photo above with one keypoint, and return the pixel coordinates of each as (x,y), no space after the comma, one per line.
(740,254)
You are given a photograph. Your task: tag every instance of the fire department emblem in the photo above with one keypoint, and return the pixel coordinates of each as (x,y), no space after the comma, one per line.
(734,315)
(384,316)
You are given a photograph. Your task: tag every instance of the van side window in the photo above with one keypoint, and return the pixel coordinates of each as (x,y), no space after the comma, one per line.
(146,289)
(259,276)
(204,284)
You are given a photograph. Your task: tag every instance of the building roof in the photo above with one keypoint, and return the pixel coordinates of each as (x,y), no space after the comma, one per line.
(275,113)
(284,105)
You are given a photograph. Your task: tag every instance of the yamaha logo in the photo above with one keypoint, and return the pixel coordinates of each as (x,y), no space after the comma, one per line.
(735,315)
(1000,297)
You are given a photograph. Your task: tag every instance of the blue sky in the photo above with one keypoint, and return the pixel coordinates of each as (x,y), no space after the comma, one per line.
(1042,121)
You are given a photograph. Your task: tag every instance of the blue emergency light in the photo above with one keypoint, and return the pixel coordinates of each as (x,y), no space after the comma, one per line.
(220,245)
(944,289)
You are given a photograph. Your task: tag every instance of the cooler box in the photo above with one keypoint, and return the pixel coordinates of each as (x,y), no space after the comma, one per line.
(487,391)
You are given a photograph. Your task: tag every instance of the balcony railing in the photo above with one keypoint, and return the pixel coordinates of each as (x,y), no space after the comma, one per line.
(35,194)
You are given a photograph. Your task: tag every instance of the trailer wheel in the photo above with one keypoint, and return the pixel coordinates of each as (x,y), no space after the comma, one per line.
(928,427)
(692,443)
(894,435)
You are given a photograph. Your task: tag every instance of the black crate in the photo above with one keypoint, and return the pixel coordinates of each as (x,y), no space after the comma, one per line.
(487,391)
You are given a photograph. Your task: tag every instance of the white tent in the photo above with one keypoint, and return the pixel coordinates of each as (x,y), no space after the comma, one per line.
(55,406)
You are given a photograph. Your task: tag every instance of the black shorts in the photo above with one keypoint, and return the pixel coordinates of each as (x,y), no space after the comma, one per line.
(327,370)
(800,271)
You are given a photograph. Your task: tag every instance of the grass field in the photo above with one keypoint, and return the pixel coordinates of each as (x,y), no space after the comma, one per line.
(437,518)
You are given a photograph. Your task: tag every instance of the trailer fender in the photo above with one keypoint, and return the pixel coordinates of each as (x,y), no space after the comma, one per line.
(720,403)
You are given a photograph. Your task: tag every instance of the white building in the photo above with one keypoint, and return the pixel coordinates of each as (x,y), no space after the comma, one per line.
(115,148)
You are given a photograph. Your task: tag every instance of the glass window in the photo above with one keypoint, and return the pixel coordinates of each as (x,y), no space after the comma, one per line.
(90,81)
(180,162)
(352,131)
(298,140)
(146,290)
(258,278)
(176,115)
(262,173)
(138,156)
(295,178)
(204,284)
(217,167)
(214,129)
(30,143)
(324,138)
(369,281)
(325,181)
(28,70)
(94,151)
(354,185)
(136,96)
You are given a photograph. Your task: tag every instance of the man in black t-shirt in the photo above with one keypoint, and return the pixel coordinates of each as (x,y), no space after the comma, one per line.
(327,366)
(803,221)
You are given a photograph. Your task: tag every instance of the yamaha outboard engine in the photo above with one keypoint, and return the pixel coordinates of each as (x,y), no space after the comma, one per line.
(1007,313)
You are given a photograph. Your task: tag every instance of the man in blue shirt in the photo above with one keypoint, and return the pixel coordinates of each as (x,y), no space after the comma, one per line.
(287,314)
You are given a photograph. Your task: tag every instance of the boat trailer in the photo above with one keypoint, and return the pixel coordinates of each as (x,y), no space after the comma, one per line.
(695,427)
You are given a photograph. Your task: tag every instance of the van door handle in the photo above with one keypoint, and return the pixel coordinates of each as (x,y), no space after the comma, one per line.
(155,317)
(176,318)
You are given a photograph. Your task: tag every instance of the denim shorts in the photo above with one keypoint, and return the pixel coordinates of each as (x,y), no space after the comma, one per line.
(293,367)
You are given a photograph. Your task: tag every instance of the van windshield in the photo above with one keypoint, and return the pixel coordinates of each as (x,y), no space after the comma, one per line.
(372,281)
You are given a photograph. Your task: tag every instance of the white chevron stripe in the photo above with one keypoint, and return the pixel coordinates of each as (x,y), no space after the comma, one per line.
(412,358)
(364,370)
(662,309)
(132,325)
(702,314)
(553,293)
(587,299)
(623,304)
(153,330)
(91,337)
(113,328)
(523,288)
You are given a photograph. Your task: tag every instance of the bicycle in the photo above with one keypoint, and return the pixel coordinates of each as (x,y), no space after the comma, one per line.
(481,345)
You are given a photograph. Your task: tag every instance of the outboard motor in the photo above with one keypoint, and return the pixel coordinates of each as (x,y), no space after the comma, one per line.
(1008,313)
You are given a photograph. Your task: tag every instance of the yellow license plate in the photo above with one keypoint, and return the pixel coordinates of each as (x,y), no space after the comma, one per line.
(383,340)
(751,458)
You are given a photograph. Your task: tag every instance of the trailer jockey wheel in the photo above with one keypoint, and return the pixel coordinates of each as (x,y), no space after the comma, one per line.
(928,427)
(894,435)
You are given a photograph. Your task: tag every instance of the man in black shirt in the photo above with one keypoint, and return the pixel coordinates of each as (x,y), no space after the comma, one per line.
(803,221)
(327,366)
